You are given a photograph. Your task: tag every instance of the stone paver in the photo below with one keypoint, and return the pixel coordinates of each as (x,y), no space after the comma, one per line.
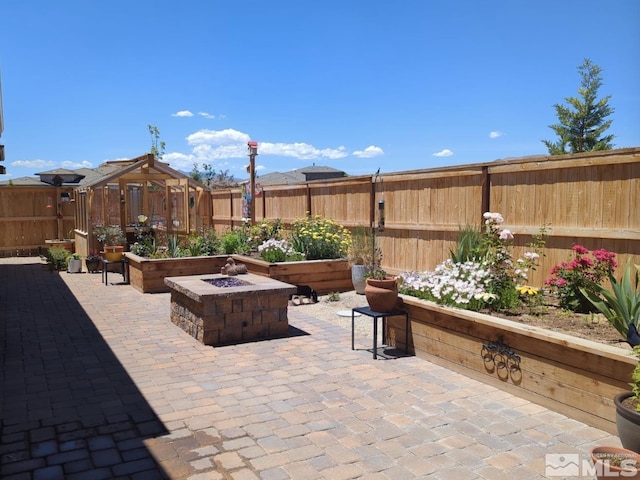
(98,383)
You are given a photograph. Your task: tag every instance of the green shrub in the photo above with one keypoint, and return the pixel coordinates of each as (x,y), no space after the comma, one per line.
(57,258)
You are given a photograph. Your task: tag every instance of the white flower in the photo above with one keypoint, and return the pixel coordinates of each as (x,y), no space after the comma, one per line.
(506,235)
(492,217)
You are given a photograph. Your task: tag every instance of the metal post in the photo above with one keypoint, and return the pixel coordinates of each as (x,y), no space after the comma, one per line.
(253,151)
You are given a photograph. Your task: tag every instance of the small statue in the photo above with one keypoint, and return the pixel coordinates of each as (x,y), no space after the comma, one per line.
(231,268)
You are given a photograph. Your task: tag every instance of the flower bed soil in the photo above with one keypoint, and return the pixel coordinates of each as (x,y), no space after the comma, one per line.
(594,327)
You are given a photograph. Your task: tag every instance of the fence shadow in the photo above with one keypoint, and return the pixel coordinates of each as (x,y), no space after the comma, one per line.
(67,402)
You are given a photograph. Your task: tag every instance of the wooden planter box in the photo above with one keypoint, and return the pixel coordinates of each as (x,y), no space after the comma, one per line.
(576,377)
(67,243)
(324,276)
(147,274)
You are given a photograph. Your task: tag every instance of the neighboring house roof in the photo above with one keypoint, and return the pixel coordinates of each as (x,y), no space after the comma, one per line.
(59,176)
(23,181)
(88,177)
(300,175)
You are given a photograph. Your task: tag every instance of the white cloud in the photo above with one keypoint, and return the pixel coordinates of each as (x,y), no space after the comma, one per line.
(74,165)
(369,152)
(182,113)
(300,150)
(495,134)
(443,153)
(209,146)
(179,161)
(206,115)
(33,163)
(214,138)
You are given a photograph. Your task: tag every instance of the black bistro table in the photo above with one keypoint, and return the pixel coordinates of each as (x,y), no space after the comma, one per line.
(375,316)
(124,269)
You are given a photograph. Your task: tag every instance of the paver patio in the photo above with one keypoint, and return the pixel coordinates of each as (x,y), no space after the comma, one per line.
(98,383)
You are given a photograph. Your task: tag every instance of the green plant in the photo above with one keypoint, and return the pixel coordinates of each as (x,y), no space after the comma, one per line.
(333,297)
(110,235)
(635,379)
(57,258)
(230,242)
(74,256)
(621,305)
(584,271)
(468,246)
(320,238)
(174,250)
(209,242)
(377,273)
(144,247)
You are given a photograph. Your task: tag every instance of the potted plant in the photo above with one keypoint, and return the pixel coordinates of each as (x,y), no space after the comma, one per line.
(74,263)
(616,462)
(381,290)
(621,307)
(628,410)
(361,256)
(92,262)
(113,240)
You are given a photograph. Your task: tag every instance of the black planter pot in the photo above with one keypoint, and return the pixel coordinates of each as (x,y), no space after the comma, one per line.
(93,265)
(628,423)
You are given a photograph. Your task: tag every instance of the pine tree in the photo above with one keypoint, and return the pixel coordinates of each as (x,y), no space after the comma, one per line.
(582,123)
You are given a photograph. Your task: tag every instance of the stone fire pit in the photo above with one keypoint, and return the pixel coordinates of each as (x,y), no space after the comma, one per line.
(218,310)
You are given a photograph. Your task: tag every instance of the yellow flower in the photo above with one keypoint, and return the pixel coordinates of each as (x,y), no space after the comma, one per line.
(527,290)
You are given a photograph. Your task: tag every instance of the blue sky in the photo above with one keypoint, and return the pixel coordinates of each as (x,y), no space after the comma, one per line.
(355,85)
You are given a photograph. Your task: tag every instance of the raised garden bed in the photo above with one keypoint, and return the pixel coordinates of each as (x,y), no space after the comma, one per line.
(324,276)
(576,377)
(147,274)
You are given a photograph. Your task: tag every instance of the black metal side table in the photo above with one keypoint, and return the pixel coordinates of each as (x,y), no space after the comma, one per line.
(124,269)
(376,315)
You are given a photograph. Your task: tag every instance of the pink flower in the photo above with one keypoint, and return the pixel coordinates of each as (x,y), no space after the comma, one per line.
(579,249)
(506,235)
(605,257)
(586,262)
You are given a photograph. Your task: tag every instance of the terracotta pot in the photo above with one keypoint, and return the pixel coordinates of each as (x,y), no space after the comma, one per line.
(382,295)
(628,423)
(603,459)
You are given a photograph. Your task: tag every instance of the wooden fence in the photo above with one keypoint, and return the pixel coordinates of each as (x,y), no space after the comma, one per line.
(30,215)
(590,199)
